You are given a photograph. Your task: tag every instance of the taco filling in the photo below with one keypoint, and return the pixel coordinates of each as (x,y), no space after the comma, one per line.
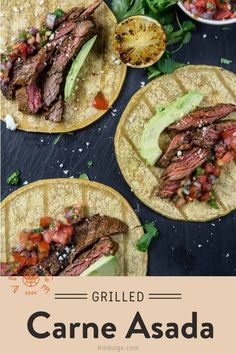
(35,67)
(196,154)
(65,247)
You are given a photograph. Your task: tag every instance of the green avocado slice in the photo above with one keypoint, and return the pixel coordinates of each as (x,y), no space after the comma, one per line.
(165,116)
(105,266)
(76,66)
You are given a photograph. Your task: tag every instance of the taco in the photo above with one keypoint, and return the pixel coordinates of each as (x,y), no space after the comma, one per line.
(58,69)
(66,226)
(176,143)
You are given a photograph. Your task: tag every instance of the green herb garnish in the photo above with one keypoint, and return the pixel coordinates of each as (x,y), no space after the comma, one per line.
(42,31)
(14,178)
(57,139)
(38,230)
(145,240)
(22,36)
(89,163)
(84,176)
(58,13)
(212,202)
(209,5)
(126,8)
(225,61)
(199,171)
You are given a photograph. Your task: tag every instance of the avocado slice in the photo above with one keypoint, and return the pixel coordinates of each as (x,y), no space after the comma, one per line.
(165,116)
(105,266)
(76,66)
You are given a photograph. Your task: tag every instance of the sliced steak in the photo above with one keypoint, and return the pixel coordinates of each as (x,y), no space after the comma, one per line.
(6,82)
(168,189)
(183,166)
(88,12)
(87,233)
(32,67)
(203,116)
(103,247)
(51,88)
(181,141)
(69,48)
(55,112)
(29,99)
(206,137)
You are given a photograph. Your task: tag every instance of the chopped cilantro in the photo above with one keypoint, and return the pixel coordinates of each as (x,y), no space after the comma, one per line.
(57,139)
(212,202)
(145,240)
(89,163)
(14,178)
(200,171)
(225,61)
(38,230)
(209,5)
(84,176)
(58,13)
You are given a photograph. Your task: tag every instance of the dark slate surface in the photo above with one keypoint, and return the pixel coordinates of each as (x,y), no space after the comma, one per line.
(183,248)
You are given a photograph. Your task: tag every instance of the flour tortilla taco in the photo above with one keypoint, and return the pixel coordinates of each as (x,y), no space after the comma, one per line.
(176,143)
(70,227)
(58,68)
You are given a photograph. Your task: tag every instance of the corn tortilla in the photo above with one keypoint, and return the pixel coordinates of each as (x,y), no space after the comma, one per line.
(99,72)
(23,208)
(218,86)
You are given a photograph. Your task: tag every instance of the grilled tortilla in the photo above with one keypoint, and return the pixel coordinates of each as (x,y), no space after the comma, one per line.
(218,86)
(99,72)
(23,208)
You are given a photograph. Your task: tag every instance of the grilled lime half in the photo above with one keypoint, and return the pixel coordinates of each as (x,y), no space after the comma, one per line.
(140,41)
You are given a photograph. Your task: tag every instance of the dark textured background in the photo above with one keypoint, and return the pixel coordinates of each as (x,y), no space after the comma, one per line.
(183,248)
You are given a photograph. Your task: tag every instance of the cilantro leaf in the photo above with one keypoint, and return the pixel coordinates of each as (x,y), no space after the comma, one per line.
(126,8)
(84,176)
(89,163)
(58,13)
(57,139)
(14,178)
(145,240)
(225,61)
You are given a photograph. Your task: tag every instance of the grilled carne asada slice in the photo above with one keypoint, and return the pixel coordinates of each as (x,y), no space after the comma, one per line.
(180,141)
(88,12)
(203,116)
(7,85)
(32,67)
(206,137)
(87,233)
(168,189)
(29,99)
(183,166)
(92,229)
(69,48)
(104,247)
(55,112)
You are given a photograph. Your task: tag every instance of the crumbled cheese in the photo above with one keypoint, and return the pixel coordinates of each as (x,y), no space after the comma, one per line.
(142,83)
(41,2)
(204,36)
(25,183)
(15,9)
(115,60)
(66,172)
(80,150)
(41,140)
(227,255)
(179,153)
(87,143)
(199,246)
(61,165)
(1,14)
(10,123)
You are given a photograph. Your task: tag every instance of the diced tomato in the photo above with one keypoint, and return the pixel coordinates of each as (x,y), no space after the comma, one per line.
(220,150)
(209,168)
(222,14)
(202,179)
(36,237)
(100,102)
(192,192)
(23,260)
(205,197)
(59,233)
(226,159)
(24,237)
(43,249)
(217,171)
(21,48)
(45,221)
(206,187)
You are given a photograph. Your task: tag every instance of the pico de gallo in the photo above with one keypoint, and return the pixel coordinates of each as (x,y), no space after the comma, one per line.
(212,9)
(36,244)
(200,185)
